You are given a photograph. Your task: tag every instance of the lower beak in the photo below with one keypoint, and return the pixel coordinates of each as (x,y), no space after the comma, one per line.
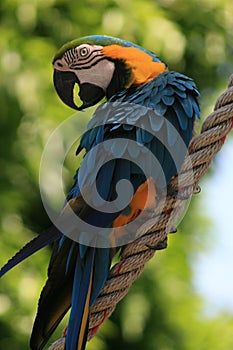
(64,84)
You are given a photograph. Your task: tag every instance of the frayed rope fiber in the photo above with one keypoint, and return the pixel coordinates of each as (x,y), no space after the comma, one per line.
(134,256)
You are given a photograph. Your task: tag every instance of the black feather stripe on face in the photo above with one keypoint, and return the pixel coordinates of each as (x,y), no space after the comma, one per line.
(121,78)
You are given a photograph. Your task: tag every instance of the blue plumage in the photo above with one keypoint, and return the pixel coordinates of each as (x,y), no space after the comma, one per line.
(180,114)
(151,119)
(82,278)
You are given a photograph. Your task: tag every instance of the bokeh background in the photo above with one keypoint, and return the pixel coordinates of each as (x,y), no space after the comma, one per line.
(165,309)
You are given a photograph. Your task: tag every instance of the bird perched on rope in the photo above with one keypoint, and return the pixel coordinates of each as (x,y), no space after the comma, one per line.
(153,111)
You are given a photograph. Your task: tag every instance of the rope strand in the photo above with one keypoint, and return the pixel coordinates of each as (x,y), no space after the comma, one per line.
(134,256)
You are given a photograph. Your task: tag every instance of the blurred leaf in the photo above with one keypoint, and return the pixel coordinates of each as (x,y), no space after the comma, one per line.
(162,310)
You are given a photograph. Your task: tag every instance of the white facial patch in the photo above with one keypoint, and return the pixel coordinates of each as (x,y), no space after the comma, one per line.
(89,65)
(99,74)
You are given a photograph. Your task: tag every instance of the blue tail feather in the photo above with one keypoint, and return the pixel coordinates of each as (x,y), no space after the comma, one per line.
(77,329)
(37,243)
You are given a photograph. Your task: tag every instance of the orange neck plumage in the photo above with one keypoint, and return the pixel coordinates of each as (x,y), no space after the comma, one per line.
(141,64)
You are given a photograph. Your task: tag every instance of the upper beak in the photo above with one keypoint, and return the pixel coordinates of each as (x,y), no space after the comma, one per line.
(64,84)
(89,94)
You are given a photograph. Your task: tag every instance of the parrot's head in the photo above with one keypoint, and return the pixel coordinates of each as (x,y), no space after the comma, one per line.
(101,66)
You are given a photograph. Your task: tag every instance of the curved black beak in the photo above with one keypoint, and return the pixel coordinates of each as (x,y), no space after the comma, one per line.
(64,84)
(89,94)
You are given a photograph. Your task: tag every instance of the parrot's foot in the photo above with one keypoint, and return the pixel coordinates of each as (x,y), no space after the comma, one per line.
(159,246)
(197,189)
(182,196)
(178,192)
(182,193)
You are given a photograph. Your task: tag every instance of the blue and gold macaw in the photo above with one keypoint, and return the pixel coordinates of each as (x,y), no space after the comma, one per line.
(139,90)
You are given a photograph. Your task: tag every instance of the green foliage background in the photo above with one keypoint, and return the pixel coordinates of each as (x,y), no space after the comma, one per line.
(162,310)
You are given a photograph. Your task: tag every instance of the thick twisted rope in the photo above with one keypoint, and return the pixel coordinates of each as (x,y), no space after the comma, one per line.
(154,232)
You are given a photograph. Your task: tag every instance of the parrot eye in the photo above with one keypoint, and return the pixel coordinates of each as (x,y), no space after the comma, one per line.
(84,51)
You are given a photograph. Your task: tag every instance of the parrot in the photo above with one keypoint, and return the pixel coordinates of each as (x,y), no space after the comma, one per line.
(154,110)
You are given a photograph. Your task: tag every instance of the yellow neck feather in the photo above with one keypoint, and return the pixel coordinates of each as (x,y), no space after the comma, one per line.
(141,64)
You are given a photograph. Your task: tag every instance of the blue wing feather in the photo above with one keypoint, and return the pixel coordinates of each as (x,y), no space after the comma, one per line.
(171,98)
(39,242)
